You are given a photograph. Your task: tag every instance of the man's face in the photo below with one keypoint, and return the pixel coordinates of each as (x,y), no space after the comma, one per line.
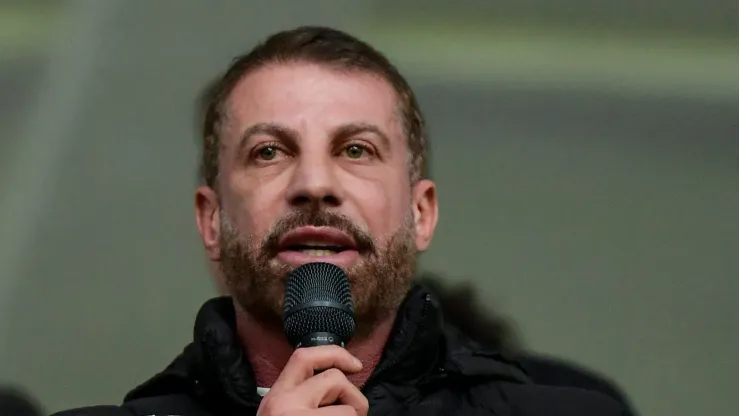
(314,167)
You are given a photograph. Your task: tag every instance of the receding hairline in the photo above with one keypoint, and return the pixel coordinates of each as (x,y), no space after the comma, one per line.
(338,68)
(224,104)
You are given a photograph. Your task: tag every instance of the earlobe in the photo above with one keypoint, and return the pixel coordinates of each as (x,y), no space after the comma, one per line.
(207,218)
(425,213)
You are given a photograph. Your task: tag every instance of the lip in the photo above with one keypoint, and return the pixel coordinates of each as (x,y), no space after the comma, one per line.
(330,236)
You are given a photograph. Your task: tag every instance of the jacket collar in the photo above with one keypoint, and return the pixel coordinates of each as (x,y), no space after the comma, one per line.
(213,368)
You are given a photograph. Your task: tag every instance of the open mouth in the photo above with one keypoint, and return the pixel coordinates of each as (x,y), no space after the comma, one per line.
(317,241)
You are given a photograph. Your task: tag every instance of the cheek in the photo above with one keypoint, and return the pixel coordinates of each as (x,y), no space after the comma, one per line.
(256,208)
(382,207)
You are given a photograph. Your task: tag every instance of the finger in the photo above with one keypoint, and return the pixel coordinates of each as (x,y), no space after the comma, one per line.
(305,361)
(330,387)
(339,410)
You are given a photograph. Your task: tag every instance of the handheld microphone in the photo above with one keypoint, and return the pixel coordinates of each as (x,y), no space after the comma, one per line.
(318,308)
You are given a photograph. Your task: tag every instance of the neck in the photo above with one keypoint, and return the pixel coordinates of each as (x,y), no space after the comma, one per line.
(268,351)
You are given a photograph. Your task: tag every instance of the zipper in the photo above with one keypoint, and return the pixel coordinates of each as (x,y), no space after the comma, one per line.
(387,366)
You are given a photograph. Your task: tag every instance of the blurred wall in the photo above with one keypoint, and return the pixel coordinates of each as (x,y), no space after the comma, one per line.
(586,175)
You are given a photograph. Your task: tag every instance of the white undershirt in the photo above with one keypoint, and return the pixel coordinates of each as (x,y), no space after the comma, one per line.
(262,391)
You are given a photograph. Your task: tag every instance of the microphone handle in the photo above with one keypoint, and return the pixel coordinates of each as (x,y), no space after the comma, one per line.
(315,339)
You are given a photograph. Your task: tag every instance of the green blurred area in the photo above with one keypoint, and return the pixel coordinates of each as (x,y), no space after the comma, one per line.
(690,24)
(673,47)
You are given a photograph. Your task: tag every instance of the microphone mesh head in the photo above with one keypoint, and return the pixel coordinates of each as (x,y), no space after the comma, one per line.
(310,291)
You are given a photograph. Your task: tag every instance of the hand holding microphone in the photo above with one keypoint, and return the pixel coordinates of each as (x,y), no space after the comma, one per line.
(299,392)
(318,314)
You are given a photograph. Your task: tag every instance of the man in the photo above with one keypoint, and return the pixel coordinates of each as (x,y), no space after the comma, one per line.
(315,150)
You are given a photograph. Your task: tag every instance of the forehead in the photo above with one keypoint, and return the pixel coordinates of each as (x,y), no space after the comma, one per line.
(306,96)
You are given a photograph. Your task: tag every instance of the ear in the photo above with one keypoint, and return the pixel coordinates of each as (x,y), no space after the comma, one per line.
(207,217)
(425,212)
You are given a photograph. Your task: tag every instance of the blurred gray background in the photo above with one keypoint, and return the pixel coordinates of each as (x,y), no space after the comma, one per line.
(585,153)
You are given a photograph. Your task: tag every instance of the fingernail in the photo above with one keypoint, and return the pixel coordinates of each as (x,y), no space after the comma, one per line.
(358,362)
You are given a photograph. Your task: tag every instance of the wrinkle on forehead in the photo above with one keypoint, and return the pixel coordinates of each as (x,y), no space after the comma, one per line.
(358,80)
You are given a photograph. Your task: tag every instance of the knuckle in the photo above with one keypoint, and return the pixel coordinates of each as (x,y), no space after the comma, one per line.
(333,374)
(301,354)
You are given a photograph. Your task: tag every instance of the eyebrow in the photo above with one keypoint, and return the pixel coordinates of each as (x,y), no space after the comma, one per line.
(352,129)
(269,129)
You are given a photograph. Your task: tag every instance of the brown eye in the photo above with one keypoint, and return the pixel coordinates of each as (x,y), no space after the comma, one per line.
(267,153)
(354,151)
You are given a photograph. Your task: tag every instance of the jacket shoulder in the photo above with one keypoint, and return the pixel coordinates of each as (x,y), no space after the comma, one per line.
(171,405)
(534,399)
(95,411)
(553,371)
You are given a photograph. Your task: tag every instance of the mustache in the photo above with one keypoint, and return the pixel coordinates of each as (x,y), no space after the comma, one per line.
(316,217)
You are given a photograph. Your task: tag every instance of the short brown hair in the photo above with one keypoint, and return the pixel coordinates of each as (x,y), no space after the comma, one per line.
(319,45)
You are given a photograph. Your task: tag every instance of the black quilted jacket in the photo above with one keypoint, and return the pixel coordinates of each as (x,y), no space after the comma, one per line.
(428,368)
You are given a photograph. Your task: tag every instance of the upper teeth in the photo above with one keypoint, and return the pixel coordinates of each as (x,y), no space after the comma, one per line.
(316,244)
(318,253)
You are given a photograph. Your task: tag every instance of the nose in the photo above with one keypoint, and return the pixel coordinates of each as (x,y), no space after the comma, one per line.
(314,183)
